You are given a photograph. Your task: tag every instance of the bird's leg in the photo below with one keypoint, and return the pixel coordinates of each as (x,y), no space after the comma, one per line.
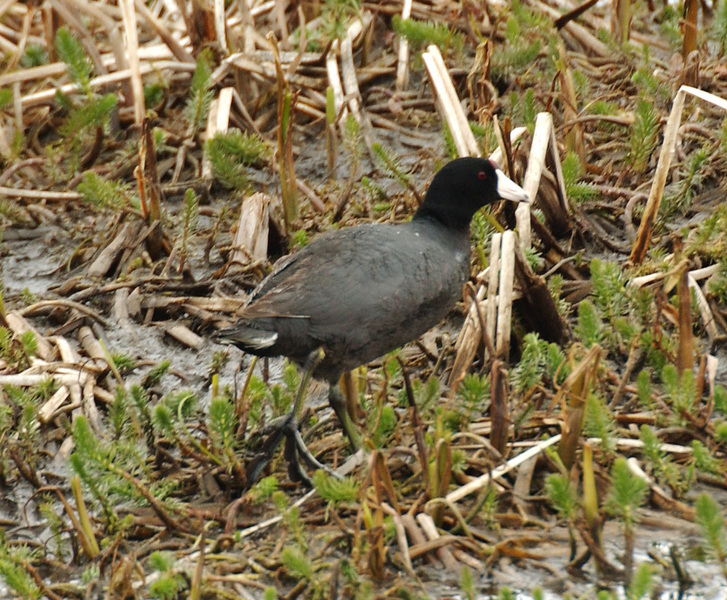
(338,404)
(287,427)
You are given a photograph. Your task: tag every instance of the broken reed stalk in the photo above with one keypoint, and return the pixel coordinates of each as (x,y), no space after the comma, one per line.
(590,495)
(643,238)
(499,408)
(689,25)
(685,350)
(286,163)
(132,50)
(150,190)
(572,397)
(331,140)
(621,21)
(85,532)
(574,137)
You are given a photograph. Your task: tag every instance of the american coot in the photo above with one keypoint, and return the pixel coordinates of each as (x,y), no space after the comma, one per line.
(360,292)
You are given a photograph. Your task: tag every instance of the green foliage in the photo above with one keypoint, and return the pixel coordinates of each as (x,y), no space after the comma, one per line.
(426,395)
(78,64)
(482,229)
(467,583)
(299,239)
(256,393)
(154,376)
(270,594)
(153,94)
(627,493)
(505,593)
(200,93)
(660,463)
(94,113)
(523,108)
(222,423)
(104,193)
(119,415)
(590,327)
(352,138)
(16,576)
(705,461)
(6,97)
(644,135)
(602,107)
(710,237)
(539,360)
(610,291)
(183,403)
(720,399)
(575,188)
(17,352)
(719,27)
(377,194)
(720,432)
(641,582)
(35,56)
(599,422)
(643,390)
(717,284)
(423,33)
(231,153)
(711,524)
(297,564)
(677,201)
(381,424)
(562,495)
(123,362)
(335,19)
(473,392)
(681,392)
(448,140)
(525,33)
(336,490)
(264,489)
(391,164)
(168,584)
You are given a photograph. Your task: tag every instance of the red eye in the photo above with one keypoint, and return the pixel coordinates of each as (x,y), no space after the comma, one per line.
(481,175)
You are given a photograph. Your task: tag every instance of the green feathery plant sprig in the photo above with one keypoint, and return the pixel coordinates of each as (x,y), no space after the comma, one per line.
(422,33)
(660,463)
(711,523)
(719,27)
(336,491)
(391,164)
(231,152)
(599,422)
(6,97)
(644,135)
(14,563)
(200,93)
(680,197)
(576,190)
(78,64)
(105,193)
(93,113)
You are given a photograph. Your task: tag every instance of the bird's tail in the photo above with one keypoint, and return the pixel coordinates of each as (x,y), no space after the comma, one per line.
(247,338)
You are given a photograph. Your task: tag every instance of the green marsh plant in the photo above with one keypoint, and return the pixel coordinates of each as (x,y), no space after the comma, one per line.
(712,525)
(88,115)
(628,492)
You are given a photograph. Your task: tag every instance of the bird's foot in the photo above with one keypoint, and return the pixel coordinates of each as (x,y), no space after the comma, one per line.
(286,428)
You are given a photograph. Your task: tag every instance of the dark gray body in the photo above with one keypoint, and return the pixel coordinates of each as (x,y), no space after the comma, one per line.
(358,293)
